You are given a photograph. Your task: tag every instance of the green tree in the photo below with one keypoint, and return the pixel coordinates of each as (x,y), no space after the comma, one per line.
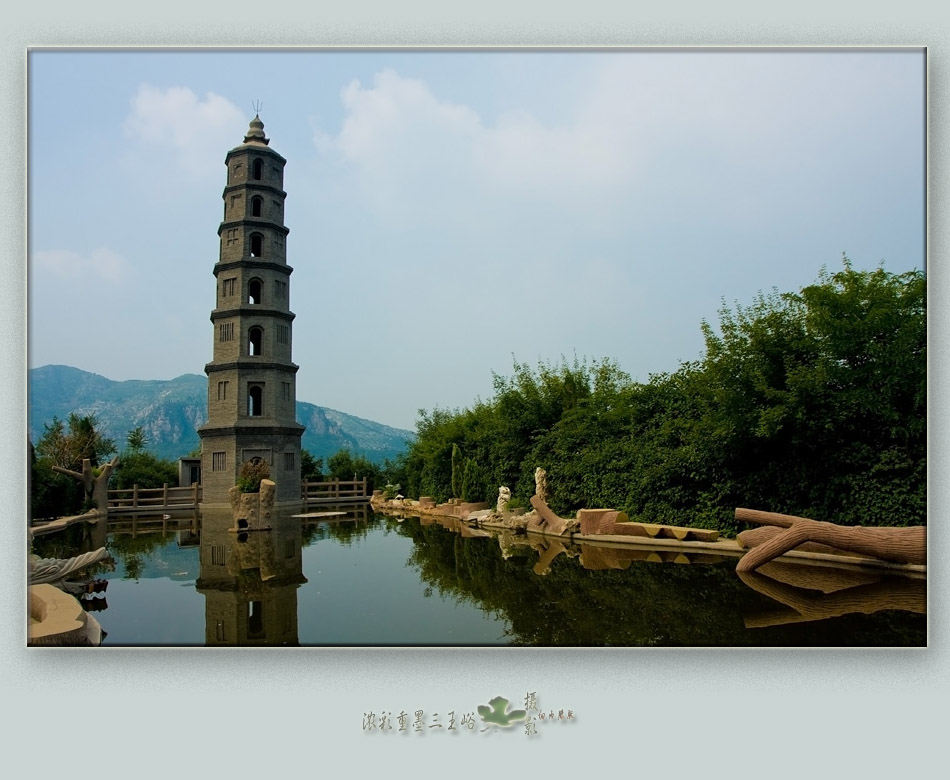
(64,446)
(144,469)
(137,439)
(311,468)
(51,494)
(344,465)
(810,403)
(67,445)
(394,471)
(458,475)
(473,488)
(820,398)
(138,466)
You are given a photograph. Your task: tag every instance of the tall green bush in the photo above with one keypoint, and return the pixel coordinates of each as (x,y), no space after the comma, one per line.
(810,403)
(457,471)
(473,488)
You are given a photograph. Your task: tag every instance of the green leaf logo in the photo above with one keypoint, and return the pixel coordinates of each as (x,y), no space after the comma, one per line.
(496,713)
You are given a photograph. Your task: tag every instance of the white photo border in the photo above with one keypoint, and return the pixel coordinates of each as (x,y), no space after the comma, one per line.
(244,712)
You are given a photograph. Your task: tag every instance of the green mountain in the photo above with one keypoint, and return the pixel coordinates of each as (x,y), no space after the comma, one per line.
(171,411)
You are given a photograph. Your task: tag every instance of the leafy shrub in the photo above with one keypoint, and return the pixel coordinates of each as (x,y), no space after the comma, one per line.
(145,470)
(252,472)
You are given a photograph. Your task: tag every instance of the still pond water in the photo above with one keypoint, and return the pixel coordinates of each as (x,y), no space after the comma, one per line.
(358,579)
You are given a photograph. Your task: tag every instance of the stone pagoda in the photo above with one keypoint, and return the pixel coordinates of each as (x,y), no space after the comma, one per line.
(251,377)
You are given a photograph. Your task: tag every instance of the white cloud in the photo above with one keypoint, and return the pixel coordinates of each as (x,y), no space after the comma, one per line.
(176,120)
(395,111)
(99,265)
(651,135)
(417,158)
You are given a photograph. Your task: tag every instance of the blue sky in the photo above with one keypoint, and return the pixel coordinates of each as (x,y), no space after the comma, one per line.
(449,210)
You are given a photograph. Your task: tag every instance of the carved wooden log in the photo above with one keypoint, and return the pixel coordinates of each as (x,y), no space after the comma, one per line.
(683,532)
(610,521)
(600,521)
(628,529)
(95,487)
(756,536)
(899,545)
(547,519)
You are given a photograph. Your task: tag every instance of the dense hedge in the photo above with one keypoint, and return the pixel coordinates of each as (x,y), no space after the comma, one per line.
(810,403)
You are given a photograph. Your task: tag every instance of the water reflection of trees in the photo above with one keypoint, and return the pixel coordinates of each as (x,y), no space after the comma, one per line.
(74,540)
(63,544)
(132,549)
(644,604)
(345,531)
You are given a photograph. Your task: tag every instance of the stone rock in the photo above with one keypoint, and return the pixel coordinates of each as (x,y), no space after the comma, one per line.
(541,484)
(504,496)
(252,511)
(58,620)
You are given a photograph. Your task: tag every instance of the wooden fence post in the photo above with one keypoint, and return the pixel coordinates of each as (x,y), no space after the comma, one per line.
(164,494)
(135,496)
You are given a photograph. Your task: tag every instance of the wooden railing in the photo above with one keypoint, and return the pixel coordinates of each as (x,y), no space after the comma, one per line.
(143,499)
(335,490)
(155,498)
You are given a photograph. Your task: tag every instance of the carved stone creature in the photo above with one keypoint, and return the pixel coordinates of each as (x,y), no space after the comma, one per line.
(54,570)
(504,496)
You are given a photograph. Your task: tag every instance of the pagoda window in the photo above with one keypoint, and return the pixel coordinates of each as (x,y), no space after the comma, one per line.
(255,340)
(255,400)
(257,245)
(255,620)
(254,287)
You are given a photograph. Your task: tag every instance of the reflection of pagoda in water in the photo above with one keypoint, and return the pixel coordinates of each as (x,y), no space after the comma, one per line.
(249,580)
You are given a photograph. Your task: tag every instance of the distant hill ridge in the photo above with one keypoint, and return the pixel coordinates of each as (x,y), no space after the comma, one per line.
(170,412)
